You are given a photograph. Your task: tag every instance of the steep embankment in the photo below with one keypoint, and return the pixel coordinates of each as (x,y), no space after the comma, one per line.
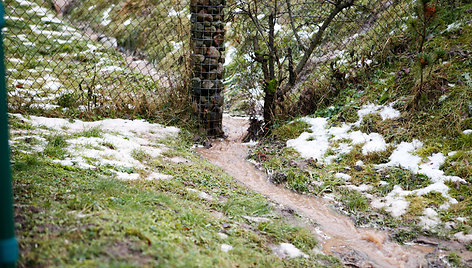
(390,142)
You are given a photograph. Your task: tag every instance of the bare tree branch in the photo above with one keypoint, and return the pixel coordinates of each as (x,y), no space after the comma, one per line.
(292,24)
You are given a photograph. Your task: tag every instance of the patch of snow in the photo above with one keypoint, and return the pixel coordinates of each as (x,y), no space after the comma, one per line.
(110,69)
(389,112)
(51,18)
(394,202)
(403,156)
(330,197)
(343,176)
(360,163)
(360,188)
(127,22)
(452,153)
(222,235)
(277,27)
(118,141)
(127,176)
(158,176)
(288,251)
(453,27)
(44,106)
(430,219)
(256,219)
(16,61)
(174,13)
(106,16)
(467,131)
(226,248)
(463,238)
(201,194)
(312,145)
(230,54)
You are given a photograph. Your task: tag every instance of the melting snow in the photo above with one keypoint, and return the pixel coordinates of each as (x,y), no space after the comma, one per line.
(226,248)
(316,144)
(430,219)
(394,202)
(222,235)
(461,237)
(119,140)
(106,16)
(201,194)
(288,251)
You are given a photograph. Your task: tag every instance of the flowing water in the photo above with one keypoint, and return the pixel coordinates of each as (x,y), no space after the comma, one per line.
(358,247)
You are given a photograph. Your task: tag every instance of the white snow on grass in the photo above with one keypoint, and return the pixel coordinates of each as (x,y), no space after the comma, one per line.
(288,251)
(360,188)
(394,202)
(316,143)
(430,219)
(404,157)
(463,238)
(115,143)
(106,16)
(467,132)
(127,22)
(343,176)
(226,247)
(201,194)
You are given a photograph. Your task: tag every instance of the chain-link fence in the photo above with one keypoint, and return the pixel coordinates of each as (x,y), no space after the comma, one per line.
(131,58)
(109,58)
(352,40)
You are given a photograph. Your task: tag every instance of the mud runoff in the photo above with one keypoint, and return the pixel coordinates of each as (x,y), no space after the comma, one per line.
(356,247)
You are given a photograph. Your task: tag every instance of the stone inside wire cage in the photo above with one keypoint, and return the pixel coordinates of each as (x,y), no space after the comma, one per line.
(207,42)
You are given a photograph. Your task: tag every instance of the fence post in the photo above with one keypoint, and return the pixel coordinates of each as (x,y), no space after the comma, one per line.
(8,243)
(207,43)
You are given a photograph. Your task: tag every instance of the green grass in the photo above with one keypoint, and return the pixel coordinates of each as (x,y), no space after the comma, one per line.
(72,217)
(443,112)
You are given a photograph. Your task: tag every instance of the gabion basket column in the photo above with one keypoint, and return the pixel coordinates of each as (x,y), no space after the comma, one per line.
(207,44)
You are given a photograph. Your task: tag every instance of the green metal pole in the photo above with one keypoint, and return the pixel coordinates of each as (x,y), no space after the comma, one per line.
(8,243)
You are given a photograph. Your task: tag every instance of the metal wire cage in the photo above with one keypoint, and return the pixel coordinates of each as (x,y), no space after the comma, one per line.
(207,42)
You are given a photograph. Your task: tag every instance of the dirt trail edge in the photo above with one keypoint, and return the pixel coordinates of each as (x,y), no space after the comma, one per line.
(357,247)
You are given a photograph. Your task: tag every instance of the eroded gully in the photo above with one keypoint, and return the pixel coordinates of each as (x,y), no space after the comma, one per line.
(336,233)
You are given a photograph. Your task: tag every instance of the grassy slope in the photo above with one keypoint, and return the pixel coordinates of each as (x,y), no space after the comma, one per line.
(67,216)
(442,113)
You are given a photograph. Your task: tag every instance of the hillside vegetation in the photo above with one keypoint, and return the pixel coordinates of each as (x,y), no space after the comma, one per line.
(397,131)
(382,130)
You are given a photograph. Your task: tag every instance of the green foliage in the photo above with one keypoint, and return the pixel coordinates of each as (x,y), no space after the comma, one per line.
(355,201)
(56,147)
(290,130)
(272,86)
(140,155)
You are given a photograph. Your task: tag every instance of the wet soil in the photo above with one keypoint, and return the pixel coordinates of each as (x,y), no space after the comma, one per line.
(356,247)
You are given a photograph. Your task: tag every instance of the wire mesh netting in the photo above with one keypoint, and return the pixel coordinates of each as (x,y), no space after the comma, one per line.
(208,58)
(349,42)
(130,57)
(109,58)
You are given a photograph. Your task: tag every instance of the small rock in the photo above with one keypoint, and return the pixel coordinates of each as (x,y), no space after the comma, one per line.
(358,168)
(213,52)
